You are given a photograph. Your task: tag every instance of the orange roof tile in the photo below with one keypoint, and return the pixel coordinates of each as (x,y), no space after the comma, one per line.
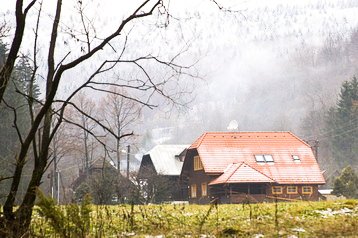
(241,173)
(219,149)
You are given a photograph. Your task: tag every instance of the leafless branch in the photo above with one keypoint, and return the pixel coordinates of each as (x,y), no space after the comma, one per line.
(14,110)
(5,178)
(29,6)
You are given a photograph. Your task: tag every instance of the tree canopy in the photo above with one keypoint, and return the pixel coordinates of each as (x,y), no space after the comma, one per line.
(346,183)
(341,124)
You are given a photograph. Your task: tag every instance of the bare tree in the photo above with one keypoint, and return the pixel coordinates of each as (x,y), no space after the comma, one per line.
(120,114)
(6,70)
(14,221)
(82,127)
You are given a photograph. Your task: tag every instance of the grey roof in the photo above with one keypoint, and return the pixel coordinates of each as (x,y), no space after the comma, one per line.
(164,161)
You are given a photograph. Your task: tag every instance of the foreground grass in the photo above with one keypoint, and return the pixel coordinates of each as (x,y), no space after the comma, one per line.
(296,219)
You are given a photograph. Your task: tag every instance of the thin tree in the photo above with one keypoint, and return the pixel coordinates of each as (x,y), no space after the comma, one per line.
(120,114)
(14,221)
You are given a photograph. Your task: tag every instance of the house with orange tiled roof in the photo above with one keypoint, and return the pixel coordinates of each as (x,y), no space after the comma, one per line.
(236,167)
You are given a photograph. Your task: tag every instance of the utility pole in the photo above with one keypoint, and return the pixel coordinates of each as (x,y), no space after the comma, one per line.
(58,187)
(54,175)
(314,144)
(128,151)
(315,148)
(118,144)
(55,178)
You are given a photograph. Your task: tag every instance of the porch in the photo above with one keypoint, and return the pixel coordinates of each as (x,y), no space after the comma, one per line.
(240,193)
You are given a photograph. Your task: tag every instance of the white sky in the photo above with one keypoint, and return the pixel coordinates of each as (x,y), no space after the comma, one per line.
(232,58)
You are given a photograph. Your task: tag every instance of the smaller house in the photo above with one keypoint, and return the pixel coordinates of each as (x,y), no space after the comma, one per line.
(96,167)
(327,194)
(160,169)
(103,182)
(236,167)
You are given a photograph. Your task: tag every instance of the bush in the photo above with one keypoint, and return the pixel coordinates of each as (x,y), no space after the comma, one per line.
(346,184)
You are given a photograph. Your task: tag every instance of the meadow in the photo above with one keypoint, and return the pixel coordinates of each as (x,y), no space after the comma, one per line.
(282,219)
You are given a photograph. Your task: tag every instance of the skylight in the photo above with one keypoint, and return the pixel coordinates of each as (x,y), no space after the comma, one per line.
(268,158)
(264,158)
(296,158)
(260,158)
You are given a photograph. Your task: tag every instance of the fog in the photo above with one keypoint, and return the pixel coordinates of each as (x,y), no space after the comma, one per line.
(265,66)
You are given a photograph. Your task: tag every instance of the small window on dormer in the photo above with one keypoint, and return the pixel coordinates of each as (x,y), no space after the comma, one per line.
(296,158)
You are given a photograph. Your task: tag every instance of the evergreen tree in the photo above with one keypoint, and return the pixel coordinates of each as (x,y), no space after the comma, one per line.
(346,184)
(16,100)
(341,125)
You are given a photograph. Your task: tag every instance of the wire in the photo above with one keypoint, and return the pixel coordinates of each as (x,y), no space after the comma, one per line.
(332,131)
(336,135)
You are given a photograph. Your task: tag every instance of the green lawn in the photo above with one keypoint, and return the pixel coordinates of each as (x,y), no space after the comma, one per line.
(295,219)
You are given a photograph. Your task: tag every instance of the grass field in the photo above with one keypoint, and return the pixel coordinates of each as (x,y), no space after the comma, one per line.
(296,219)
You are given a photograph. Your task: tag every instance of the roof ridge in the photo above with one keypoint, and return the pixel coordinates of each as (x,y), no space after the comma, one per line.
(232,164)
(228,132)
(233,170)
(304,142)
(259,172)
(202,138)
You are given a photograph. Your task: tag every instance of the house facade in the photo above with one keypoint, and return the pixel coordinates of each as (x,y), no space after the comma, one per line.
(160,169)
(236,167)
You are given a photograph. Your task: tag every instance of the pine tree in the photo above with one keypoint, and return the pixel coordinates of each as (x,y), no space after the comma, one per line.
(16,100)
(341,125)
(346,184)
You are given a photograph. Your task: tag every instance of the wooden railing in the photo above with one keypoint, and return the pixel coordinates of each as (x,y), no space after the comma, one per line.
(242,198)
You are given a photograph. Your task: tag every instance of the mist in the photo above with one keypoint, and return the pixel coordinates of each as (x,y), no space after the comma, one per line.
(264,66)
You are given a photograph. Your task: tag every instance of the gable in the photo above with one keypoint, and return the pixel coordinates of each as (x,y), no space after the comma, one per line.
(165,159)
(146,167)
(241,173)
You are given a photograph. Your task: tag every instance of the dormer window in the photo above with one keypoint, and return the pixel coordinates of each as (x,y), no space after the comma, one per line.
(264,158)
(296,158)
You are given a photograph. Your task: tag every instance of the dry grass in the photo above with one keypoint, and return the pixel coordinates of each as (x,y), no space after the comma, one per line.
(296,219)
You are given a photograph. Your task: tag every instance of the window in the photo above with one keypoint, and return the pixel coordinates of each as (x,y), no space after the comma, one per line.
(264,158)
(260,158)
(197,163)
(193,190)
(268,158)
(291,189)
(277,190)
(296,158)
(307,190)
(204,189)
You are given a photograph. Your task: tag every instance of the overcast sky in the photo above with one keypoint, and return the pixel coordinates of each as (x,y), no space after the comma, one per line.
(247,56)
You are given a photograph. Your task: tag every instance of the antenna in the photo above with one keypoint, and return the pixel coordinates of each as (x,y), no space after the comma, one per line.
(233,126)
